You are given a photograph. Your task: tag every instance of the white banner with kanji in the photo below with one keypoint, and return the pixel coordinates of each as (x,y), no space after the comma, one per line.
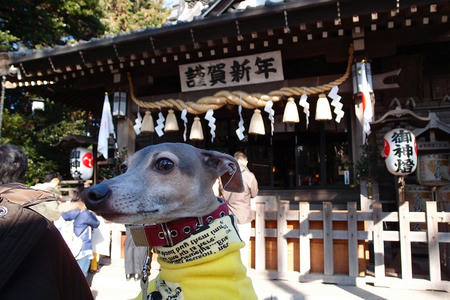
(234,71)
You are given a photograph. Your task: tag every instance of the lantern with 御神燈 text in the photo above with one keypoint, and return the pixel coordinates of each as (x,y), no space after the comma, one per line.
(81,163)
(400,152)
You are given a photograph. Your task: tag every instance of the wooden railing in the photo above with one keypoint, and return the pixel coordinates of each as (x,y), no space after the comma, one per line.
(362,228)
(69,188)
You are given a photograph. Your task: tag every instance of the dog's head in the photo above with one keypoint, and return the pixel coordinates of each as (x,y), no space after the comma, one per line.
(164,182)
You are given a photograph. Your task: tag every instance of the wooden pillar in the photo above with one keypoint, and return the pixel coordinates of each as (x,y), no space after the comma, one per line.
(433,242)
(328,257)
(260,245)
(282,246)
(305,246)
(352,219)
(378,243)
(95,177)
(126,137)
(403,222)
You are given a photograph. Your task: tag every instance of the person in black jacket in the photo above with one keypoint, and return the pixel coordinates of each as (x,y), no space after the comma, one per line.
(35,261)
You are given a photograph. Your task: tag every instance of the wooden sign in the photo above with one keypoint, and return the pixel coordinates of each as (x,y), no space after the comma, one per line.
(235,71)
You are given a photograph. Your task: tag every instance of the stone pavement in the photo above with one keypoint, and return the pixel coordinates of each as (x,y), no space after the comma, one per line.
(110,284)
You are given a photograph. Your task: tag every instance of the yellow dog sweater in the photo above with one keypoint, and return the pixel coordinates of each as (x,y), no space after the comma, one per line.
(206,265)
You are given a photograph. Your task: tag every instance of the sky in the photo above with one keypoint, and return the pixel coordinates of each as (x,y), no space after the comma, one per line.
(168,3)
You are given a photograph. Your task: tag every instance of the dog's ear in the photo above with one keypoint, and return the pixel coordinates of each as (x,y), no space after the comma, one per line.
(225,167)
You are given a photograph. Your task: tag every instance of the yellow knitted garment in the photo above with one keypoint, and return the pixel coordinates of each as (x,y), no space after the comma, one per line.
(207,265)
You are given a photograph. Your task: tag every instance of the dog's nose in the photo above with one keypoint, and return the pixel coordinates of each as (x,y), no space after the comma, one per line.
(96,195)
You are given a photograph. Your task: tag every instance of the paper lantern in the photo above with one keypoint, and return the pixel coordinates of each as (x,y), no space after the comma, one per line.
(400,151)
(171,122)
(196,130)
(257,123)
(290,114)
(81,163)
(147,123)
(323,110)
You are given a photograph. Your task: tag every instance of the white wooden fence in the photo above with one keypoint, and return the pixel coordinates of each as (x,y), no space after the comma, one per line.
(375,233)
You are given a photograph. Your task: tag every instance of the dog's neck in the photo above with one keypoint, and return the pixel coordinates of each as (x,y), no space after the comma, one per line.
(173,232)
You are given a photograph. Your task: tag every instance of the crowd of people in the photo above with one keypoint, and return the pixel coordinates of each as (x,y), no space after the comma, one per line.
(46,245)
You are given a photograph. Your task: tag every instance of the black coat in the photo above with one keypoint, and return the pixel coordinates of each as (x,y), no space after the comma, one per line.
(35,262)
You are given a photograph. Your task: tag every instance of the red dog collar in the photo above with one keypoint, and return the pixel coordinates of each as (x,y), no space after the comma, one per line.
(173,232)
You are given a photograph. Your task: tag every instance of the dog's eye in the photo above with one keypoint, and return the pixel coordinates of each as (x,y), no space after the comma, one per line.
(164,164)
(123,168)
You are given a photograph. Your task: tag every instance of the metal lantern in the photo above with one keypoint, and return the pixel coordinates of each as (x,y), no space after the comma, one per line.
(81,163)
(400,151)
(119,104)
(358,72)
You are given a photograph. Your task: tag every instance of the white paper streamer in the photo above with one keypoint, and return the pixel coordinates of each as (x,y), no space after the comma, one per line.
(241,128)
(211,123)
(159,128)
(271,112)
(138,123)
(185,120)
(336,103)
(303,103)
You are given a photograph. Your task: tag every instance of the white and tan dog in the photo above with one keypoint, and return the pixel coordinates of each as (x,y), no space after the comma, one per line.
(168,187)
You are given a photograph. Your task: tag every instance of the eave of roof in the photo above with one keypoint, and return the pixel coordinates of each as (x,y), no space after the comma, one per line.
(18,57)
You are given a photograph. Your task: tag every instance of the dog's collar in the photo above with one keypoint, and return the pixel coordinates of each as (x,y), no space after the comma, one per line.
(173,232)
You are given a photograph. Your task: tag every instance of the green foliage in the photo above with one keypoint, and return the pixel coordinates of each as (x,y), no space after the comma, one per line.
(129,15)
(6,40)
(37,132)
(113,169)
(366,166)
(46,23)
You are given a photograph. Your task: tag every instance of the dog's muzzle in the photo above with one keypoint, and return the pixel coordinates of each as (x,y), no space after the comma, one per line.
(95,197)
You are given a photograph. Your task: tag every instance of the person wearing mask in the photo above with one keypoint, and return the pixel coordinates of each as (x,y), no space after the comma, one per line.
(239,203)
(36,262)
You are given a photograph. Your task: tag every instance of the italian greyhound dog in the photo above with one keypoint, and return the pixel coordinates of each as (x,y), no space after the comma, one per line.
(168,187)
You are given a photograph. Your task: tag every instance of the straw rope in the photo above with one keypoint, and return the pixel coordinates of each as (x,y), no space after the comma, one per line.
(249,101)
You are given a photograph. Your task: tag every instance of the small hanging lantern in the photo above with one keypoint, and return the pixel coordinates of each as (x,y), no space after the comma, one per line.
(119,104)
(257,123)
(290,112)
(361,72)
(147,123)
(400,151)
(323,110)
(196,130)
(171,122)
